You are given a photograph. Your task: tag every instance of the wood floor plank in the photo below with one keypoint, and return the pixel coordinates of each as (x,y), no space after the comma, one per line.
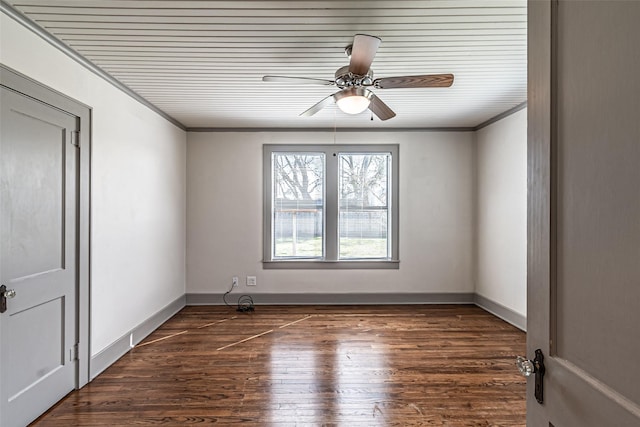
(435,365)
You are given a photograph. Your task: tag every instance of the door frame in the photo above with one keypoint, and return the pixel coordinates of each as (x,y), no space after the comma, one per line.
(540,192)
(26,86)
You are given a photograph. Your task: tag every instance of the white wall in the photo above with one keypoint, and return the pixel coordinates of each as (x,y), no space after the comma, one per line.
(137,190)
(501,246)
(224,215)
(455,235)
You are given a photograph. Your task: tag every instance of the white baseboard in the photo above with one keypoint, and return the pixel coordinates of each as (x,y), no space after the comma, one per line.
(499,310)
(121,346)
(336,299)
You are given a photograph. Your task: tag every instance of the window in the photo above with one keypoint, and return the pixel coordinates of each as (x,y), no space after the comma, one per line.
(297,204)
(330,206)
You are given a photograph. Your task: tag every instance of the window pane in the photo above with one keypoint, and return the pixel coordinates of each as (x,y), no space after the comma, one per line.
(298,205)
(364,205)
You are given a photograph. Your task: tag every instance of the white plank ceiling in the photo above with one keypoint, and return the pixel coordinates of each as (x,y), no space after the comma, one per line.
(201,62)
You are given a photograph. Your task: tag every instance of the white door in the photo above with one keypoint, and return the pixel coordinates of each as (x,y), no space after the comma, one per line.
(584,212)
(38,197)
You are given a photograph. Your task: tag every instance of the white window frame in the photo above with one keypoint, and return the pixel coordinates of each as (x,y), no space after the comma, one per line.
(330,214)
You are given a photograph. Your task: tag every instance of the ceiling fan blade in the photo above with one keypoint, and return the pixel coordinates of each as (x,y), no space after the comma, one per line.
(319,106)
(362,53)
(380,109)
(427,80)
(300,80)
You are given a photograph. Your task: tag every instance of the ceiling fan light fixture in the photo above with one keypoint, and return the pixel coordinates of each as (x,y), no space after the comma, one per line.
(354,104)
(353,100)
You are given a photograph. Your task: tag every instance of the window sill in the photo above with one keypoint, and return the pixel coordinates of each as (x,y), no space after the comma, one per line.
(331,265)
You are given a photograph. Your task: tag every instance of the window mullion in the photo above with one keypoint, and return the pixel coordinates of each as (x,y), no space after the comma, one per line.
(331,205)
(393,204)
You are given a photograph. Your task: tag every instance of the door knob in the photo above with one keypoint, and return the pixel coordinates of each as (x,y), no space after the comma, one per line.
(535,366)
(525,366)
(4,294)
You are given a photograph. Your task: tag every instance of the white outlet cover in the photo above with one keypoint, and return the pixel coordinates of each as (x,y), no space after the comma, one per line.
(251,280)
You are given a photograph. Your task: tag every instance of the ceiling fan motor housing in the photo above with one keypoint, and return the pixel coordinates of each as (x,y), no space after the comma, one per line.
(345,78)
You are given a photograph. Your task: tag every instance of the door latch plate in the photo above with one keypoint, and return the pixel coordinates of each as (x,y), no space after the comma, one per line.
(3,299)
(538,363)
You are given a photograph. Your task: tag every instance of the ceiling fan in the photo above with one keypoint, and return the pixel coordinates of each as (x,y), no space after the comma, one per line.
(354,79)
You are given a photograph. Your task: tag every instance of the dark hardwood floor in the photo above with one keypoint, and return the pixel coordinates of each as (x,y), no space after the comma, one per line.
(419,365)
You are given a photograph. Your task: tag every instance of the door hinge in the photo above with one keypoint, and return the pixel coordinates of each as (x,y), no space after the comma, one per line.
(75,138)
(73,353)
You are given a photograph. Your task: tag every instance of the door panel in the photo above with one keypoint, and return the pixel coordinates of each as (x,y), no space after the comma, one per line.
(33,326)
(36,198)
(38,194)
(584,211)
(598,199)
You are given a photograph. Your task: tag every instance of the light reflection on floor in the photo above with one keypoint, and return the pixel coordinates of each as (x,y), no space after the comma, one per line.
(294,382)
(328,386)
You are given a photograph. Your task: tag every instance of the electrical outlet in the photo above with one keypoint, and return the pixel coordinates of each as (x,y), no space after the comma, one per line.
(251,280)
(234,281)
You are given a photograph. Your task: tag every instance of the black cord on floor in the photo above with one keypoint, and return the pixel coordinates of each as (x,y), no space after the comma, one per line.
(224,297)
(245,302)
